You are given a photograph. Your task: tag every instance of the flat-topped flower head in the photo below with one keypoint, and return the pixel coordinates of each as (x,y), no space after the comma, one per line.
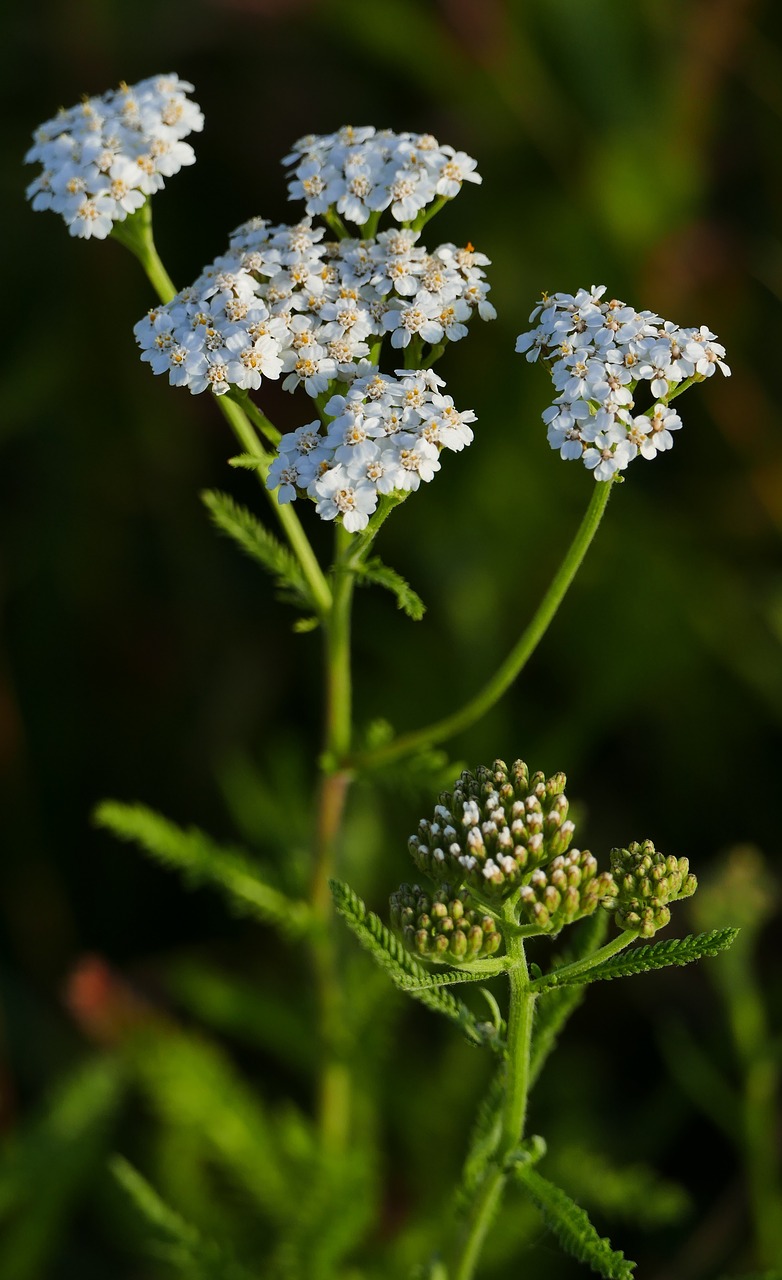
(100,160)
(361,171)
(601,356)
(385,435)
(496,828)
(285,301)
(443,924)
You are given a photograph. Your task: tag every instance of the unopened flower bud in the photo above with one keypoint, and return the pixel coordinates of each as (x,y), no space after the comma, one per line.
(567,889)
(647,881)
(443,925)
(497,826)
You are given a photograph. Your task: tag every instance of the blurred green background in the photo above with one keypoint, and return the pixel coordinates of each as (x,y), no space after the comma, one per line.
(636,146)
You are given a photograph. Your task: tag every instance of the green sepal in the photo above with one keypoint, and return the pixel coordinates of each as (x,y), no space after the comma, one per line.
(175,1240)
(374,571)
(656,955)
(202,861)
(570,1224)
(255,540)
(404,971)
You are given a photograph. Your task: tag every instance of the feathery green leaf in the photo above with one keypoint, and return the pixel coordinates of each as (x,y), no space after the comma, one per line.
(570,1224)
(404,971)
(374,571)
(185,1247)
(255,539)
(247,462)
(195,1089)
(656,955)
(202,861)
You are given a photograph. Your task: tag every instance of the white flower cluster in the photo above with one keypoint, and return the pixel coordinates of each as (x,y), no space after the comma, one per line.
(283,300)
(385,436)
(101,159)
(361,171)
(598,353)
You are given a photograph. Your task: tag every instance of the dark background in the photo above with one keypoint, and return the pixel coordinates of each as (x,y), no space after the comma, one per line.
(143,658)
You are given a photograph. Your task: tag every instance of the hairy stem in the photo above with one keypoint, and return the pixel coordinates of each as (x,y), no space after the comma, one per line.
(513,1111)
(335,1084)
(519,655)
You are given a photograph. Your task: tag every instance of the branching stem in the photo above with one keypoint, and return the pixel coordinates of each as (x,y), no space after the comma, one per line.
(519,655)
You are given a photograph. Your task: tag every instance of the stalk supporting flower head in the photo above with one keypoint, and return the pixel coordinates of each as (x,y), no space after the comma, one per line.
(102,159)
(602,356)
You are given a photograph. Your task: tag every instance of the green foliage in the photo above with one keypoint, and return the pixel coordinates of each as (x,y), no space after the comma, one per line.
(194,1088)
(484,1137)
(420,775)
(552,1014)
(656,955)
(374,571)
(244,1009)
(403,970)
(633,1192)
(202,861)
(45,1168)
(254,539)
(176,1241)
(572,1228)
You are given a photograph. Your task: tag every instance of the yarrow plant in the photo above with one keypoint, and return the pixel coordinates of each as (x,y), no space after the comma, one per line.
(601,356)
(355,323)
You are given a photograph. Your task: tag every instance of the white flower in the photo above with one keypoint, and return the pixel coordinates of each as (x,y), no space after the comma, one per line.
(361,171)
(101,159)
(598,354)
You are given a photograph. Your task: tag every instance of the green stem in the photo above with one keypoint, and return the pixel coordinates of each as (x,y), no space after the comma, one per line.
(299,542)
(513,1112)
(519,655)
(258,419)
(550,980)
(335,1082)
(136,234)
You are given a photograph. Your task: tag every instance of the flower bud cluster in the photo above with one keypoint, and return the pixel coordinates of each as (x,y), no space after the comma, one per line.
(646,881)
(442,925)
(101,159)
(361,171)
(598,353)
(568,888)
(497,826)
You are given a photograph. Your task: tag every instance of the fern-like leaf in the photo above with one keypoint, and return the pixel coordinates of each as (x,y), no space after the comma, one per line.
(404,971)
(184,1247)
(569,1223)
(374,571)
(202,861)
(256,541)
(657,955)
